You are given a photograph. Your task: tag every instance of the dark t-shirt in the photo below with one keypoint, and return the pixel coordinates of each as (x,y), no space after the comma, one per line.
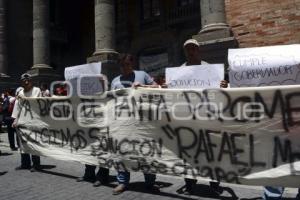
(127,81)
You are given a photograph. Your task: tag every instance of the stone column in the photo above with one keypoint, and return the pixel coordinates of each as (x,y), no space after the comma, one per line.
(41,70)
(105,38)
(213,15)
(41,39)
(215,36)
(104,27)
(3,42)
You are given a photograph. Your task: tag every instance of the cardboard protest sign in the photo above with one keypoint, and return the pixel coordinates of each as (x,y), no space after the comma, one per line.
(85,79)
(239,135)
(264,66)
(196,76)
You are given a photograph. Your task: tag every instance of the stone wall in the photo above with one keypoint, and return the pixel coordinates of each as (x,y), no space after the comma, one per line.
(19,37)
(264,22)
(158,35)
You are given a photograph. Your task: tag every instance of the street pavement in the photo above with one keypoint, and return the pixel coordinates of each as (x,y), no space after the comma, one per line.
(57,181)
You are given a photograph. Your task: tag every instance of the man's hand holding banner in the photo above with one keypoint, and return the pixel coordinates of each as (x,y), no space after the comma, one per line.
(244,136)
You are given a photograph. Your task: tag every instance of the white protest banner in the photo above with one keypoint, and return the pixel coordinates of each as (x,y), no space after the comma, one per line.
(239,135)
(85,79)
(264,66)
(195,76)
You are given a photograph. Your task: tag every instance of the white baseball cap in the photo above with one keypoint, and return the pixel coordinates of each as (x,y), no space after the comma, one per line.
(191,41)
(25,76)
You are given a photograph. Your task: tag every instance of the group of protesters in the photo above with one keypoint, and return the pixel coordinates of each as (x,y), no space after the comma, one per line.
(9,114)
(128,78)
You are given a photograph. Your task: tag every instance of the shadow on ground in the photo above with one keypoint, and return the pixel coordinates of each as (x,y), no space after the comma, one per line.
(140,187)
(260,198)
(55,173)
(43,167)
(201,190)
(206,191)
(5,154)
(2,173)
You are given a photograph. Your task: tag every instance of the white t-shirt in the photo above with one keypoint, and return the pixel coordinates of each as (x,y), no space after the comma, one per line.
(45,93)
(140,77)
(34,92)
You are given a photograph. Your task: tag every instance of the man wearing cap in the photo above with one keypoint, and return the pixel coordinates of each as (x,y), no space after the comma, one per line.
(28,91)
(192,53)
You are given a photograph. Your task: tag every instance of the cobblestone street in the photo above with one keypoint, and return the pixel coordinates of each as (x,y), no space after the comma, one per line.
(57,181)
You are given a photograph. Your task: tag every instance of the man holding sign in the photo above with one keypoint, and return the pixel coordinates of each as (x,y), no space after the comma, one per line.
(190,75)
(86,80)
(193,55)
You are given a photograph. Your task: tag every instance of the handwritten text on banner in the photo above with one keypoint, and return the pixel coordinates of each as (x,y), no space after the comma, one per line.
(196,76)
(243,136)
(264,66)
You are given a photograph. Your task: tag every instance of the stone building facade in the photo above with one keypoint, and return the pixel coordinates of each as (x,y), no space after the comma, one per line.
(43,37)
(265,22)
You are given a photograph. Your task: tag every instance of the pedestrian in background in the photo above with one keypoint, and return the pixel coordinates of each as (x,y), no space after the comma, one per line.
(8,105)
(44,90)
(1,112)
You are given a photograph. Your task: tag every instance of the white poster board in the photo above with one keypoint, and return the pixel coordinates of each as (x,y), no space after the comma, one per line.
(85,79)
(264,66)
(195,76)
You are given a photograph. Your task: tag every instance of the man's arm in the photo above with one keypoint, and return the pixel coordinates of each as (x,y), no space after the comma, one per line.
(15,113)
(149,82)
